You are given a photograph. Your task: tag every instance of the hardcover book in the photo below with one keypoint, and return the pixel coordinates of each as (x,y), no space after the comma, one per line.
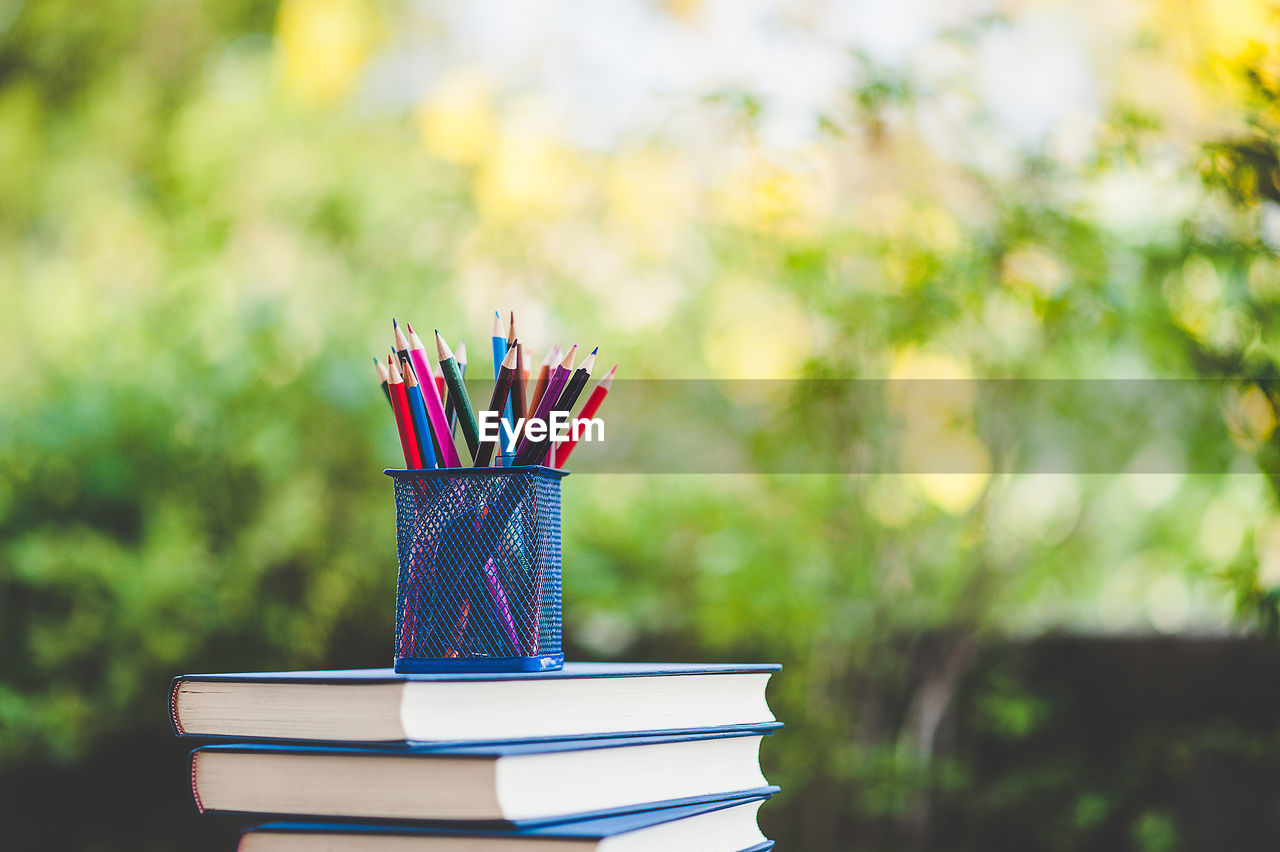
(516,783)
(378,705)
(728,826)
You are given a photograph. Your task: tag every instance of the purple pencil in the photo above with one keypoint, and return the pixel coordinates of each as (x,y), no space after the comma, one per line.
(498,597)
(554,386)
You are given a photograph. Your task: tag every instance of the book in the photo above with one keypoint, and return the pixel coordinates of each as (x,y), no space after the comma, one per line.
(378,705)
(710,827)
(517,783)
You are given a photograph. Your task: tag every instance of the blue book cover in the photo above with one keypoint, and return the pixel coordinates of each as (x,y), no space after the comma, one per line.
(570,671)
(496,749)
(472,706)
(321,786)
(596,828)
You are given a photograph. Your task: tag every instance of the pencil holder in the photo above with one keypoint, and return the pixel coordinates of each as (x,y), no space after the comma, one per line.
(479,582)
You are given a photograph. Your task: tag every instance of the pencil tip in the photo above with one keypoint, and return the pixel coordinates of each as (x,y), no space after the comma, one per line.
(594,351)
(408,325)
(394,323)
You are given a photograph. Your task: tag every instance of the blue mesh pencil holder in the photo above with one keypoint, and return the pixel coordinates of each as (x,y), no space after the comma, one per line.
(479,582)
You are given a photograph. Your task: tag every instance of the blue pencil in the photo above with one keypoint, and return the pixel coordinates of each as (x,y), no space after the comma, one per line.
(500,352)
(418,412)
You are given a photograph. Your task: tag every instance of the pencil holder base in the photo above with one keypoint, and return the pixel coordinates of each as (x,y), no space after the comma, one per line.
(418,665)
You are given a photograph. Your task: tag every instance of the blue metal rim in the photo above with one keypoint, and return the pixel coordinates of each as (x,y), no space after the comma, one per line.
(420,665)
(432,473)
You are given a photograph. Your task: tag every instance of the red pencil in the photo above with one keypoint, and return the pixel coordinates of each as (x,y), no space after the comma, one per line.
(588,411)
(404,421)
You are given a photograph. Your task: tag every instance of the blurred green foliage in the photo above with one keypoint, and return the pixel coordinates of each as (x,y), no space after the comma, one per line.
(197,264)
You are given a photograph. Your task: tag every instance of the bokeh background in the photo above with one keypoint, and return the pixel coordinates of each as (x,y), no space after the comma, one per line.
(210,211)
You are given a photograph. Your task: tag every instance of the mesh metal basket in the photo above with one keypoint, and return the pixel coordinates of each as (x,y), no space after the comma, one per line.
(479,583)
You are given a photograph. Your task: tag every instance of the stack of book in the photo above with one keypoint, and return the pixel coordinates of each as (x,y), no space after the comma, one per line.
(618,757)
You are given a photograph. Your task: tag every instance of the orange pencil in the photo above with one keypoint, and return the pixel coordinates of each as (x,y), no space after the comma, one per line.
(544,373)
(588,411)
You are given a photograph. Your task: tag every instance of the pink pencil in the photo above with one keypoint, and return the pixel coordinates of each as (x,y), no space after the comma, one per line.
(431,396)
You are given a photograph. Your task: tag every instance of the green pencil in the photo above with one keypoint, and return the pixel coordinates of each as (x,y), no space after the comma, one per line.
(458,391)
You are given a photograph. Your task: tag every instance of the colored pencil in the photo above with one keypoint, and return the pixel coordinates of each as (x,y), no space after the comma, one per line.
(418,411)
(404,421)
(518,384)
(499,342)
(451,410)
(544,371)
(401,347)
(383,378)
(501,607)
(401,351)
(458,390)
(598,393)
(517,381)
(437,380)
(569,397)
(447,452)
(555,384)
(501,392)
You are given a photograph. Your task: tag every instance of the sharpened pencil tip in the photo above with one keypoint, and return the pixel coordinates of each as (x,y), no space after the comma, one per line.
(443,352)
(594,351)
(409,326)
(607,381)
